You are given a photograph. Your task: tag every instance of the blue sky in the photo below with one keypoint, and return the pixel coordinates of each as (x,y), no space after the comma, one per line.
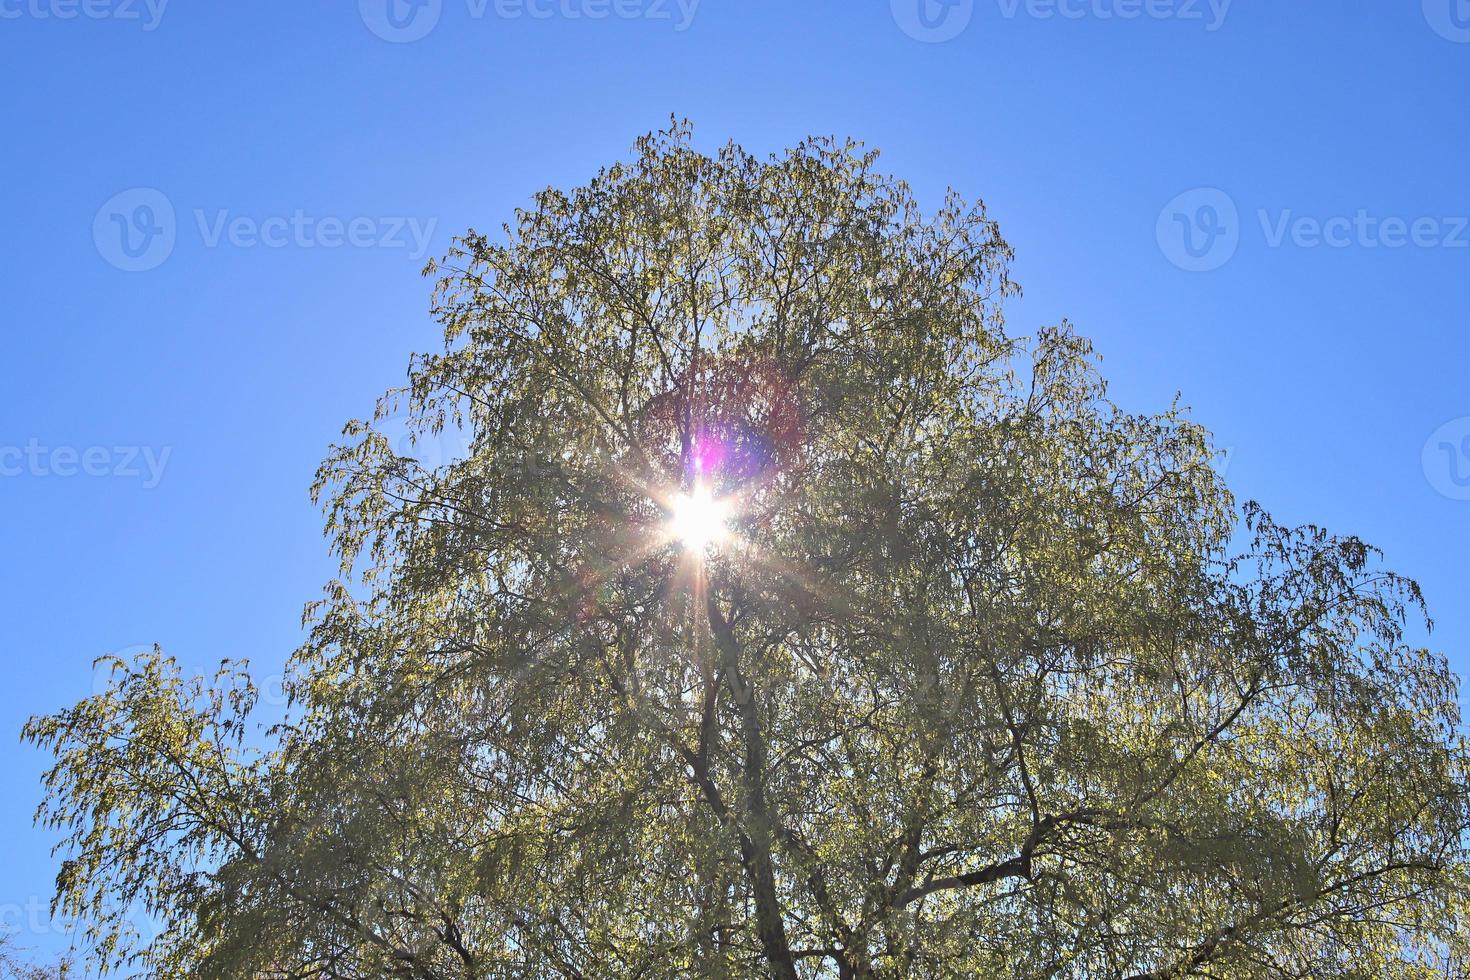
(214,216)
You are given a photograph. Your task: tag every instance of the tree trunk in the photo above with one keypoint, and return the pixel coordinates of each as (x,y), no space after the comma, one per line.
(770,924)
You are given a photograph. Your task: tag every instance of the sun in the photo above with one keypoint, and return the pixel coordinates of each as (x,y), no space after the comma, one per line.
(698,520)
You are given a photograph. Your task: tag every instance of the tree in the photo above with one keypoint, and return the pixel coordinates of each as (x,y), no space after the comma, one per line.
(13,965)
(787,617)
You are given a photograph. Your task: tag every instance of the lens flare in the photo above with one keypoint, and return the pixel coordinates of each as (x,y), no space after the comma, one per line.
(698,520)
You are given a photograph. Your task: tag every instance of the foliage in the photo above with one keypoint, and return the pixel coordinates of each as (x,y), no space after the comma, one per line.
(14,966)
(977,686)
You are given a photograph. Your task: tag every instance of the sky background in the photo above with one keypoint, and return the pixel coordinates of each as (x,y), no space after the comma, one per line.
(1263,206)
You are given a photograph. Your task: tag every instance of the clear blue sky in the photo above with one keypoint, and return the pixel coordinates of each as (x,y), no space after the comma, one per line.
(159,428)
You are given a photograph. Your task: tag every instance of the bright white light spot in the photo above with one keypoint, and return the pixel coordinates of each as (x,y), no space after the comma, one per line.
(699,520)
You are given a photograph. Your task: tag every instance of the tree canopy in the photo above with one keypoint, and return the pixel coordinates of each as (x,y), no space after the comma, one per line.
(968,672)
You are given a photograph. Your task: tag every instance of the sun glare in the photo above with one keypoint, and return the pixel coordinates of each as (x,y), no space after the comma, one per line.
(699,520)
